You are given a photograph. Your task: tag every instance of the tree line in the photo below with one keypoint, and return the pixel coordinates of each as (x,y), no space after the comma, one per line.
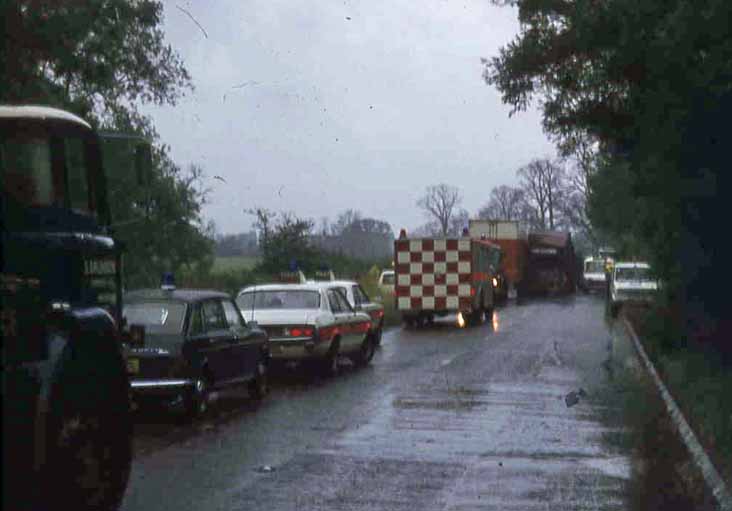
(549,195)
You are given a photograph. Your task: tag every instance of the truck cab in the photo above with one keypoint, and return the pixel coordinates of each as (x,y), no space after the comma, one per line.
(65,386)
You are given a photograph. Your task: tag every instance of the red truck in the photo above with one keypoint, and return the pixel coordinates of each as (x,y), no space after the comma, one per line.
(514,253)
(437,276)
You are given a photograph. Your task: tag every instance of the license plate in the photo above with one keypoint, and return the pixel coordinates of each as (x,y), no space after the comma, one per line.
(133,366)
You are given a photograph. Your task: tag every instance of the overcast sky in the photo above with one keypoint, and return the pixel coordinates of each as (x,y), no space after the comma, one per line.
(316,106)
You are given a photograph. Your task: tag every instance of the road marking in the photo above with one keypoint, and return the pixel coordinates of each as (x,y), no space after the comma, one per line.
(698,455)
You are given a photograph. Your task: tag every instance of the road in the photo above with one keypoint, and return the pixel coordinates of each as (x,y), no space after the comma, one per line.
(444,418)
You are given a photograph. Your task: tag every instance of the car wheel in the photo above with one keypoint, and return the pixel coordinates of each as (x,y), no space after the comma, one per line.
(366,352)
(259,386)
(196,402)
(379,334)
(329,365)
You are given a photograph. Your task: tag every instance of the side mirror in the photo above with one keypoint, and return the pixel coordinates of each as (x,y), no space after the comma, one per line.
(143,164)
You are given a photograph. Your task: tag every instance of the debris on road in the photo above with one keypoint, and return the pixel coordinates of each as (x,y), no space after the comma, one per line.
(573,397)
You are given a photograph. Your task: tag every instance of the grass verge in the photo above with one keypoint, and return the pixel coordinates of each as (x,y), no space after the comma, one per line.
(698,381)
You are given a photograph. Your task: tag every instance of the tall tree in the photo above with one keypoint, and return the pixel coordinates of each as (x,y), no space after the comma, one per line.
(542,183)
(504,203)
(96,57)
(439,203)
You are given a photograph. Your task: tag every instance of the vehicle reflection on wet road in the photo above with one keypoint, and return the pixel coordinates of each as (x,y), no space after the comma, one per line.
(444,418)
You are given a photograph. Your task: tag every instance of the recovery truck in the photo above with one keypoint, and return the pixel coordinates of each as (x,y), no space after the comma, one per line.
(67,438)
(552,266)
(437,276)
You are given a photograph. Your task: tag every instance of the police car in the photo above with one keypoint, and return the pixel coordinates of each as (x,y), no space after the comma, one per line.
(309,322)
(358,299)
(193,342)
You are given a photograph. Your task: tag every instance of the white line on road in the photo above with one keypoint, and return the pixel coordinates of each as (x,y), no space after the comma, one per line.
(701,460)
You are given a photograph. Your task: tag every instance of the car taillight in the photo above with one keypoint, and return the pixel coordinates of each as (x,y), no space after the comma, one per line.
(300,332)
(377,314)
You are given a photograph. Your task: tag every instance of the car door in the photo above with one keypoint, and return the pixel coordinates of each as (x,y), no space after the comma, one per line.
(245,344)
(219,339)
(350,336)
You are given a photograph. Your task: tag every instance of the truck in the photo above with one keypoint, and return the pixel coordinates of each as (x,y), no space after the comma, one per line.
(514,252)
(67,438)
(438,276)
(551,266)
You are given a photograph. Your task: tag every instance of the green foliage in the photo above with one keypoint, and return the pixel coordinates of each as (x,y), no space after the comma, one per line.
(646,80)
(96,56)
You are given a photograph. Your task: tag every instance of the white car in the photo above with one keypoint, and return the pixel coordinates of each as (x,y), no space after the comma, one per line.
(309,323)
(387,279)
(360,301)
(631,282)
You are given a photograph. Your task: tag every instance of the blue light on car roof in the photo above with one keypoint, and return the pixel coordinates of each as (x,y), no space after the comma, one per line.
(167,282)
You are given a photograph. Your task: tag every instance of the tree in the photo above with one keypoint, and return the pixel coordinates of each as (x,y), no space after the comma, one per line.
(542,184)
(97,57)
(504,203)
(439,202)
(610,70)
(458,222)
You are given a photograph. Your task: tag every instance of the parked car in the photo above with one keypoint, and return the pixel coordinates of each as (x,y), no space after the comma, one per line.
(387,280)
(360,301)
(195,342)
(311,323)
(631,283)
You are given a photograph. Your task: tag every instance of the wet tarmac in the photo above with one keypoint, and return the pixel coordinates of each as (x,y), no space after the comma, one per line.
(530,410)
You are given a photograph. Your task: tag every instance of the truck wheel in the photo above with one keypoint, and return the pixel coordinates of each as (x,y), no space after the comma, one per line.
(89,437)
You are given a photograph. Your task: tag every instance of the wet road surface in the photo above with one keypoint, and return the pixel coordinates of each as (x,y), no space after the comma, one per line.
(444,418)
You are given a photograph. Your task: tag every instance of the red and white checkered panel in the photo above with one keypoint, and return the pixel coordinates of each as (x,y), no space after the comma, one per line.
(433,274)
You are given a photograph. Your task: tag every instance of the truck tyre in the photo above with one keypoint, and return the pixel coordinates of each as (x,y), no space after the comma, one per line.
(419,321)
(89,433)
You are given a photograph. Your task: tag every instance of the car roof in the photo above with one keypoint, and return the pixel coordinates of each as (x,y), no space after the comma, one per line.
(632,265)
(177,295)
(309,286)
(40,112)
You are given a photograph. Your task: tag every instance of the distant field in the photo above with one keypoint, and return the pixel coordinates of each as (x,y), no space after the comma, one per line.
(234,263)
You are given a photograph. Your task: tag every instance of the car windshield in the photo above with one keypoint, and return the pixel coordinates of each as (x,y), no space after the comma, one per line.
(279,299)
(156,317)
(594,267)
(388,279)
(634,274)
